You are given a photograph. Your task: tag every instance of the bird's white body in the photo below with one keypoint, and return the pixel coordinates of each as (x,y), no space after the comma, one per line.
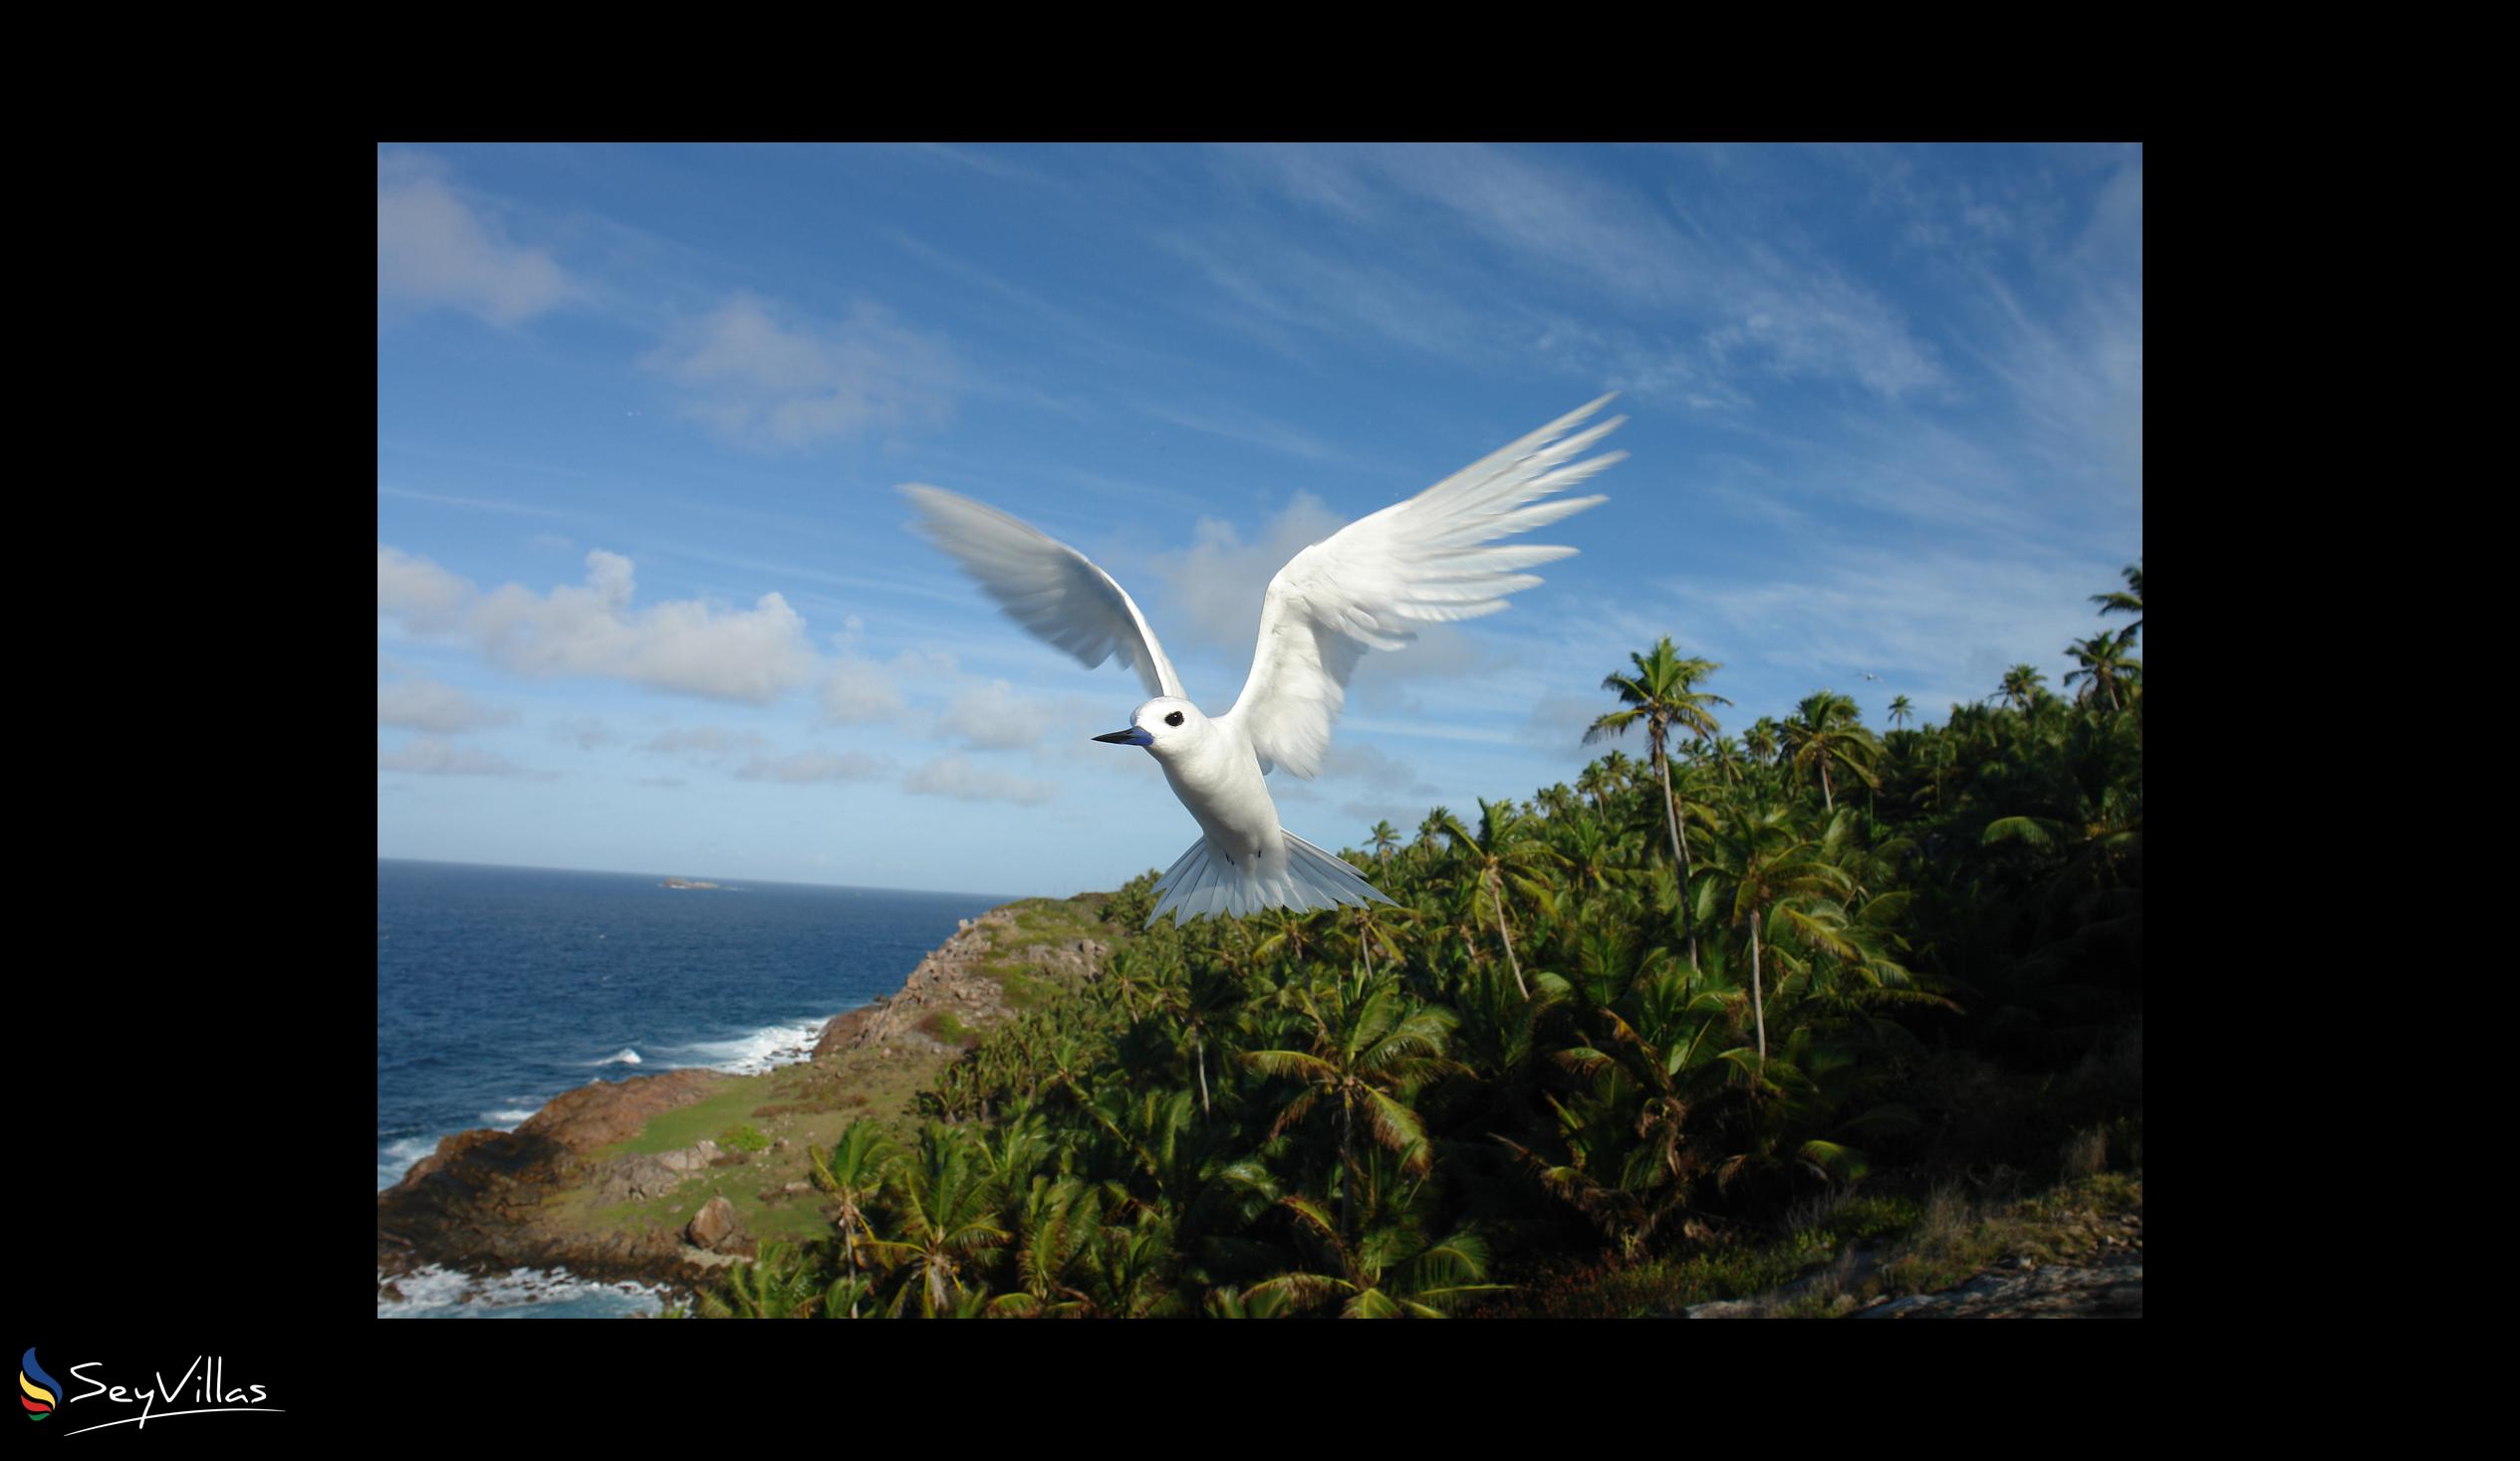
(1218,776)
(1358,590)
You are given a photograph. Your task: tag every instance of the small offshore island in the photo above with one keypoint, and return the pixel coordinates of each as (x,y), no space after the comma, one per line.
(691,882)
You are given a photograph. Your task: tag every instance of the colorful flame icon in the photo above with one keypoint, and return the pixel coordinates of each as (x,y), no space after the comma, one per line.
(41,1388)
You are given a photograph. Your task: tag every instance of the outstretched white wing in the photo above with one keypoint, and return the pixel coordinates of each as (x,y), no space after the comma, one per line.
(1415,561)
(1046,586)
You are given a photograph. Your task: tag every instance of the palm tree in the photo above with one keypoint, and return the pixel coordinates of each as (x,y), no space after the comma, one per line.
(1659,694)
(1367,1054)
(2105,662)
(1900,712)
(779,1284)
(2021,684)
(1368,930)
(1202,1007)
(854,1172)
(1293,937)
(2129,602)
(1501,848)
(1759,867)
(1432,827)
(1060,1217)
(1594,783)
(1724,754)
(1762,739)
(1400,1278)
(1828,730)
(1385,837)
(947,1214)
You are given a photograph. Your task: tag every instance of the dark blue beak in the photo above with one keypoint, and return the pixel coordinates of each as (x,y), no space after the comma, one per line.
(1129,737)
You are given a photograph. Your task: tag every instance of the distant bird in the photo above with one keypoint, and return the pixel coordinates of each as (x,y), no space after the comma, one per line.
(1868,674)
(1359,589)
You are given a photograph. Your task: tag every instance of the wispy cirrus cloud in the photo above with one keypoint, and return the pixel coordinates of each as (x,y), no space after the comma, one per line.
(772,383)
(1727,294)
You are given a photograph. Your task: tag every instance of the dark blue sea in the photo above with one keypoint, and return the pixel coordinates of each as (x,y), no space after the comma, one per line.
(498,988)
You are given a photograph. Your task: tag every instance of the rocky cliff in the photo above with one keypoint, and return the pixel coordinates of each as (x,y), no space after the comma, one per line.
(635,1179)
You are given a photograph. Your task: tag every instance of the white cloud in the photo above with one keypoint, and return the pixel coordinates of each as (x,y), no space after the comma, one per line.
(990,716)
(807,766)
(858,692)
(419,592)
(435,248)
(1216,587)
(765,385)
(703,741)
(684,645)
(439,756)
(1354,760)
(956,777)
(426,705)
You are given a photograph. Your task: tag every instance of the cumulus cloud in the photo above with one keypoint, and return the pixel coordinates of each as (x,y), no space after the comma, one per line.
(859,691)
(1350,760)
(1216,587)
(419,592)
(683,645)
(992,716)
(764,384)
(426,705)
(439,756)
(958,777)
(703,740)
(817,766)
(435,248)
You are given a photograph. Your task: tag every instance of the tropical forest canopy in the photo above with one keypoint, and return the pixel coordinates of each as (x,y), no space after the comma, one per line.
(1724,971)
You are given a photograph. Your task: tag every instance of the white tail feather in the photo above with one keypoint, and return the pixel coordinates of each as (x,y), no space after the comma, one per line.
(1199,884)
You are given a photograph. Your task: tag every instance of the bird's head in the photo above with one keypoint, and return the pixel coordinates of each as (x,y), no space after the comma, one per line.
(1162,725)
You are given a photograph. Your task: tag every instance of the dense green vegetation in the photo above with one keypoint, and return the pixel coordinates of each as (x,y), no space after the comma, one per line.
(1637,1031)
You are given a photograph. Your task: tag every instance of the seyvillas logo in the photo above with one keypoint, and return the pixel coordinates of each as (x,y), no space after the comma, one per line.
(41,1391)
(205,1382)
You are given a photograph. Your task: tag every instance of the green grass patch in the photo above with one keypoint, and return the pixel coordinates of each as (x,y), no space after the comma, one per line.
(944,1026)
(743,1139)
(1025,992)
(1038,921)
(687,1125)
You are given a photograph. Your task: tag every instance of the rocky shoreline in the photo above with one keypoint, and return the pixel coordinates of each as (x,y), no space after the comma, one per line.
(560,1192)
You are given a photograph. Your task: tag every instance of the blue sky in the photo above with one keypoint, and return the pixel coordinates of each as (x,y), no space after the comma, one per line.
(647,601)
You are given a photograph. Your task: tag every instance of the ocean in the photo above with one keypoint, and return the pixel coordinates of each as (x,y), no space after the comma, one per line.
(498,988)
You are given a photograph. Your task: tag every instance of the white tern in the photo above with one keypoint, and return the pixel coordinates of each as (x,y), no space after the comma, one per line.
(1359,589)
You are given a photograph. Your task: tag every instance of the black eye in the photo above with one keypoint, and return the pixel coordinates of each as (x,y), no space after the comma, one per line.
(1174,719)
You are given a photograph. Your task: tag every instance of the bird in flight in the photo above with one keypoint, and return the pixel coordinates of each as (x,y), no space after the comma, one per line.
(1362,587)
